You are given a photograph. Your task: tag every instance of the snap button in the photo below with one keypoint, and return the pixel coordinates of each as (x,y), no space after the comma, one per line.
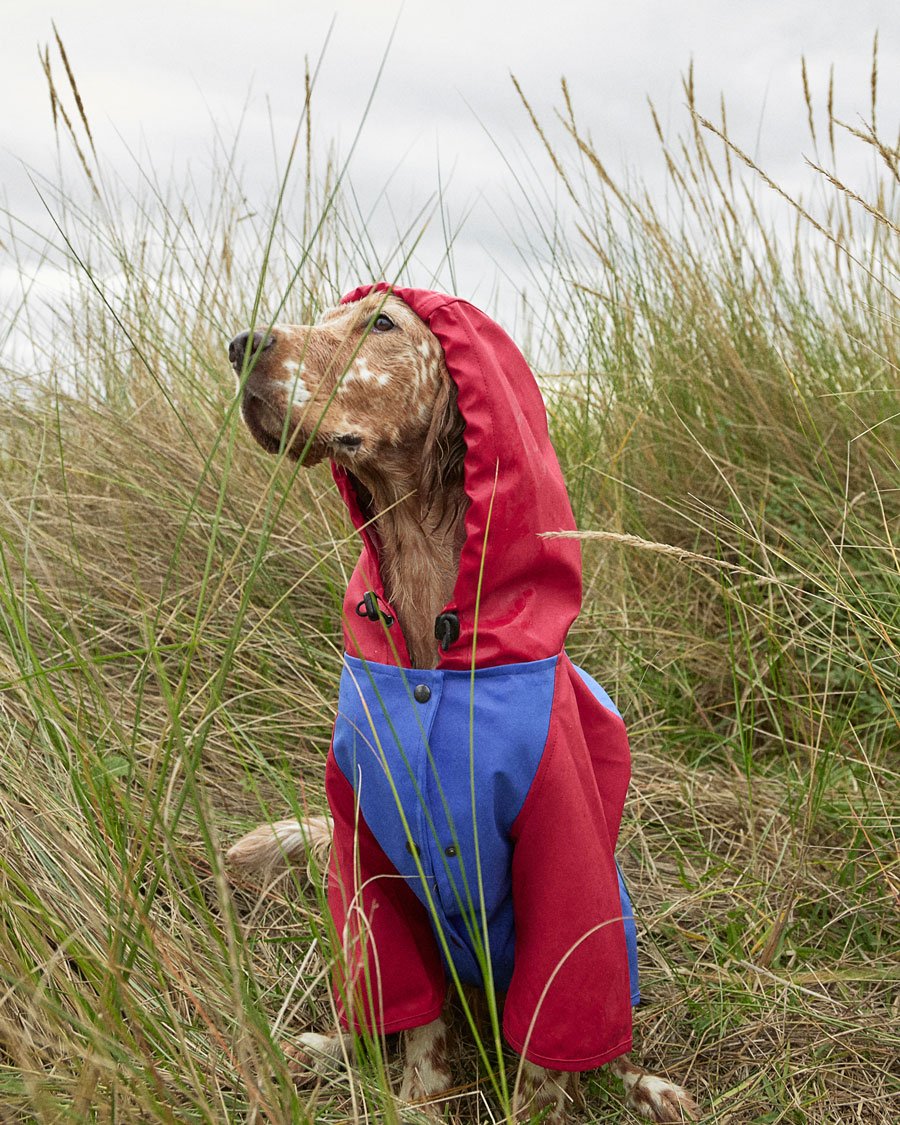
(450,851)
(412,848)
(421,693)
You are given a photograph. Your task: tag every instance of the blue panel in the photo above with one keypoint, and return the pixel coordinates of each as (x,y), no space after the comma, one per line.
(630,939)
(597,691)
(488,741)
(379,739)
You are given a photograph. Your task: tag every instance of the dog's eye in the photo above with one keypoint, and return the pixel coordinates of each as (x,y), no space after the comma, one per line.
(381,323)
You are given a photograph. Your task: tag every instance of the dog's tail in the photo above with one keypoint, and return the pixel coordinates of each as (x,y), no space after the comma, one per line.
(276,847)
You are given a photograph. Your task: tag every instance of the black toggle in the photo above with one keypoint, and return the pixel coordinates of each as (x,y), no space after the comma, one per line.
(368,607)
(446,629)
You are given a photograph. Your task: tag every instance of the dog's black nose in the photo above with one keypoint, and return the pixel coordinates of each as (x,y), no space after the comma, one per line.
(238,346)
(349,441)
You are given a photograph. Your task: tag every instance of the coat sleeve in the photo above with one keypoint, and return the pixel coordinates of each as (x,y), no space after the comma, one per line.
(569,1001)
(388,974)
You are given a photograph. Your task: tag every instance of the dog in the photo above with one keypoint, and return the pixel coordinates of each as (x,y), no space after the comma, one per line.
(476,777)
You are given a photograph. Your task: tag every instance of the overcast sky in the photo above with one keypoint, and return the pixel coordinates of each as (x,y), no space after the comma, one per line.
(160,77)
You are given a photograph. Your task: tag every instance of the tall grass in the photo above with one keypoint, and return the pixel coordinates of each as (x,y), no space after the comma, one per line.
(170,637)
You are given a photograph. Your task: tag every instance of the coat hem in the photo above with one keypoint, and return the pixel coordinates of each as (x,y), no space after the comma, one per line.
(389,1027)
(590,1062)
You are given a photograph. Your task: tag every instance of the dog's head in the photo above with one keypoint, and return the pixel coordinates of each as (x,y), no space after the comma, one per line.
(366,386)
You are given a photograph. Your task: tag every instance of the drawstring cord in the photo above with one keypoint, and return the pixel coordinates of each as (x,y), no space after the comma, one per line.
(446,629)
(368,607)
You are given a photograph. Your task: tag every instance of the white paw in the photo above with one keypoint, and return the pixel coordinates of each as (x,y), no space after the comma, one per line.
(657,1099)
(314,1054)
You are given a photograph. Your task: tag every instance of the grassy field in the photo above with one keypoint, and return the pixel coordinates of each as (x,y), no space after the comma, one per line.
(724,401)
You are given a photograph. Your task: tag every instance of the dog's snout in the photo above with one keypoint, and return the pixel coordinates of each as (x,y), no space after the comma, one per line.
(238,346)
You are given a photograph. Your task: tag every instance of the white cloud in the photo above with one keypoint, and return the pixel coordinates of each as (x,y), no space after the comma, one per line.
(161,78)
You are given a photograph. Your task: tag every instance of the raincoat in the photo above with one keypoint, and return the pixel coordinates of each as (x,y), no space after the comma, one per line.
(476,806)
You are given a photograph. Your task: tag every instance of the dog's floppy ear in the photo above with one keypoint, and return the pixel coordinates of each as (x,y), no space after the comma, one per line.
(443,452)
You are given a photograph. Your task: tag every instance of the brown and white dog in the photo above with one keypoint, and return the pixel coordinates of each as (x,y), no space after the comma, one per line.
(368,387)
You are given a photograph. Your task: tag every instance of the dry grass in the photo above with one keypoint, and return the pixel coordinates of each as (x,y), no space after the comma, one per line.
(169,646)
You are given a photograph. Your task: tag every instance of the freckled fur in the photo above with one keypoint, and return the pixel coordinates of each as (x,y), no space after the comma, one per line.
(547,1092)
(426,1074)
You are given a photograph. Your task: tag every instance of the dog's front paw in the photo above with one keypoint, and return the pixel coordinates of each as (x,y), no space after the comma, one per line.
(314,1055)
(426,1070)
(548,1094)
(657,1099)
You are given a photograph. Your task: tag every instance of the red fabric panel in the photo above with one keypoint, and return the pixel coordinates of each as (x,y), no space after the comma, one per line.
(569,1004)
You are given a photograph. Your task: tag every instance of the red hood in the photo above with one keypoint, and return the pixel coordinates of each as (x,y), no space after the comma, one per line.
(530,587)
